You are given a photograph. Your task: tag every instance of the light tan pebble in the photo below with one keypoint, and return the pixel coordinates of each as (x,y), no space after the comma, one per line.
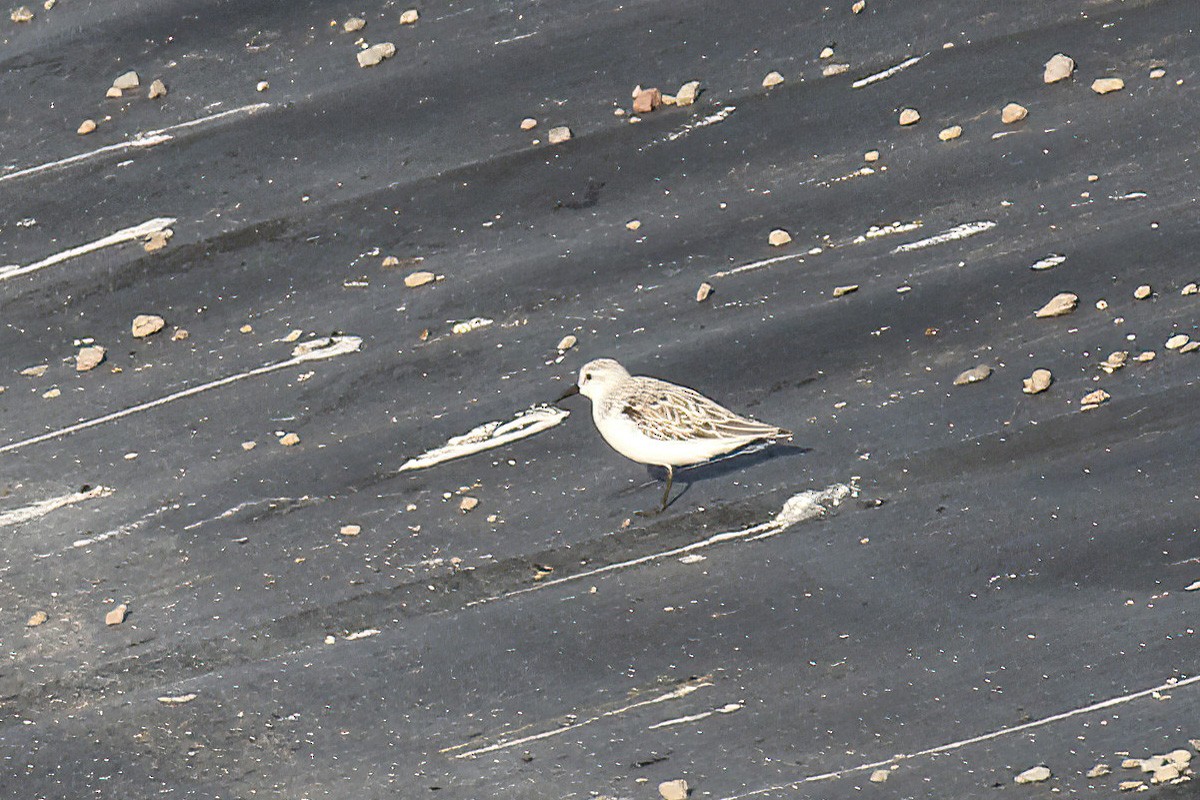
(157,240)
(49,4)
(703,292)
(177,699)
(633,224)
(330,639)
(410,17)
(559,134)
(1093,399)
(879,775)
(1165,773)
(1115,361)
(38,618)
(50,395)
(909,116)
(1033,775)
(646,101)
(840,291)
(350,530)
(1106,85)
(375,54)
(467,504)
(262,86)
(687,93)
(673,790)
(858,6)
(248,446)
(528,124)
(130,456)
(973,375)
(86,127)
(293,335)
(117,615)
(89,358)
(247,328)
(826,53)
(1142,292)
(778,237)
(1191,288)
(1013,112)
(1093,178)
(179,335)
(1180,757)
(1059,305)
(1130,786)
(492,518)
(772,79)
(953,132)
(21,14)
(1058,68)
(1101,304)
(1145,355)
(829,70)
(146,324)
(127,80)
(1177,341)
(668,100)
(566,343)
(157,89)
(1190,347)
(871,156)
(1099,771)
(35,372)
(1038,382)
(354,24)
(289,439)
(1157,72)
(113,93)
(415,279)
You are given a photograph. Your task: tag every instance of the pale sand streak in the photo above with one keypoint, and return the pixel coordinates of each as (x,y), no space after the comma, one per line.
(314,350)
(119,237)
(141,140)
(887,73)
(957,232)
(490,435)
(43,507)
(944,748)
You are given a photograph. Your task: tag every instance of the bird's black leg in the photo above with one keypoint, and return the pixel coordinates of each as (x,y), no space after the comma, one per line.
(667,493)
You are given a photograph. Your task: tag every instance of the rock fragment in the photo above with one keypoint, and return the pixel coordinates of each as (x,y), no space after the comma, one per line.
(704,290)
(157,89)
(1013,112)
(117,615)
(1142,292)
(879,776)
(35,372)
(1130,786)
(558,135)
(1059,305)
(127,80)
(468,504)
(1106,85)
(778,237)
(157,240)
(1038,382)
(840,291)
(1058,68)
(53,393)
(673,790)
(909,116)
(953,132)
(415,279)
(1145,355)
(975,374)
(829,70)
(871,156)
(1115,361)
(566,343)
(1165,774)
(1093,399)
(858,6)
(38,618)
(410,17)
(633,224)
(289,439)
(21,14)
(147,324)
(177,699)
(1157,72)
(1033,775)
(687,93)
(646,101)
(1100,770)
(262,86)
(1190,347)
(375,54)
(89,358)
(86,127)
(179,335)
(350,530)
(528,124)
(772,79)
(354,24)
(113,93)
(826,52)
(1177,341)
(1191,288)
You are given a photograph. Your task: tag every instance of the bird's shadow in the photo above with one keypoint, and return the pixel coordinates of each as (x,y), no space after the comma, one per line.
(736,461)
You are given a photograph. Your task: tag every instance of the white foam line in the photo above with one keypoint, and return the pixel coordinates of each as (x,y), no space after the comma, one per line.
(490,435)
(128,527)
(984,737)
(504,744)
(711,119)
(955,233)
(799,507)
(141,140)
(124,235)
(1048,262)
(725,273)
(43,507)
(309,351)
(512,39)
(681,720)
(887,73)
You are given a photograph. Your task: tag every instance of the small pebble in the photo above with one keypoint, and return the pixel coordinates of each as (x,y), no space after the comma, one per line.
(146,324)
(871,156)
(1038,382)
(1093,399)
(1106,85)
(1191,288)
(779,237)
(974,375)
(410,17)
(113,93)
(86,127)
(354,24)
(1059,305)
(772,79)
(375,54)
(953,132)
(839,291)
(177,699)
(1177,341)
(879,775)
(21,14)
(1157,72)
(157,240)
(330,639)
(1180,757)
(1099,771)
(1058,68)
(415,279)
(703,292)
(157,89)
(909,116)
(566,343)
(51,394)
(1013,112)
(1145,355)
(1164,774)
(35,372)
(262,86)
(247,328)
(38,618)
(89,358)
(289,439)
(858,6)
(646,101)
(687,93)
(117,615)
(1130,786)
(1033,775)
(350,530)
(528,124)
(1190,347)
(829,70)
(127,80)
(179,335)
(1142,292)
(827,53)
(633,224)
(673,790)
(559,134)
(1115,361)
(248,446)
(468,504)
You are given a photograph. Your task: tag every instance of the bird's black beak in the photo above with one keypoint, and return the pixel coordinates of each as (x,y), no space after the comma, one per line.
(569,392)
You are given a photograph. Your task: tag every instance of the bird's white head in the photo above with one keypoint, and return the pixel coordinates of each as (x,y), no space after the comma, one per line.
(598,377)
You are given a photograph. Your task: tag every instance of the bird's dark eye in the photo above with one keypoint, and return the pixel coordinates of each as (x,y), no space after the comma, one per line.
(587,376)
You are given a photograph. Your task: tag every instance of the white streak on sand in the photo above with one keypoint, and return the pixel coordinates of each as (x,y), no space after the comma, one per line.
(490,435)
(955,233)
(124,235)
(887,73)
(43,507)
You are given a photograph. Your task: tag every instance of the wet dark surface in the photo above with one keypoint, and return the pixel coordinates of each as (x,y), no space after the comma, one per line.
(1003,558)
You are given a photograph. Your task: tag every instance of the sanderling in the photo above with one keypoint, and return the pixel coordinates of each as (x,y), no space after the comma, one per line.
(662,424)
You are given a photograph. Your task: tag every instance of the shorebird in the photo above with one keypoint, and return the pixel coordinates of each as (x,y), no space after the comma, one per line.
(662,424)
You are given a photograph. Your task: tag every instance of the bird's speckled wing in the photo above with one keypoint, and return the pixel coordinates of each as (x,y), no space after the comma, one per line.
(667,412)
